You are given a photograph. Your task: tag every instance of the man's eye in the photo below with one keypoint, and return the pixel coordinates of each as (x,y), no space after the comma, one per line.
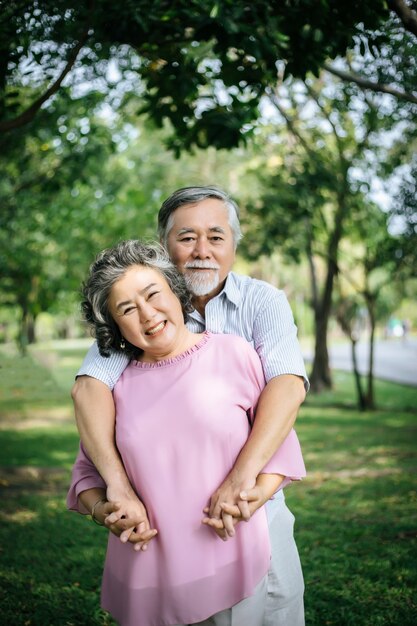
(187,239)
(217,238)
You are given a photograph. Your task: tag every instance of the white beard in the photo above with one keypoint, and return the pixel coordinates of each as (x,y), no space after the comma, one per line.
(201,283)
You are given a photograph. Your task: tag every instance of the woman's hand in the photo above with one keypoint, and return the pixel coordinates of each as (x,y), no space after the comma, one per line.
(129,505)
(128,517)
(134,529)
(222,530)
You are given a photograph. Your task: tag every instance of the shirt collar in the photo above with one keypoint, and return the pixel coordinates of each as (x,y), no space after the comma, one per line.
(231,289)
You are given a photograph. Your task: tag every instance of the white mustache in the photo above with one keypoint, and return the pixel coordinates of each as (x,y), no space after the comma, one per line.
(206,265)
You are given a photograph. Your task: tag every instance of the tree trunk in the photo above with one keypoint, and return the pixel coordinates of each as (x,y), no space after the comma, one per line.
(358,381)
(370,395)
(22,339)
(27,332)
(346,325)
(320,376)
(31,328)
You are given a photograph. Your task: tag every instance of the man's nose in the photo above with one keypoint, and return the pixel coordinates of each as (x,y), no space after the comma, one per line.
(201,249)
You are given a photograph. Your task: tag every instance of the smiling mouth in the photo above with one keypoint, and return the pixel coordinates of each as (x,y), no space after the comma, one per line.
(156,329)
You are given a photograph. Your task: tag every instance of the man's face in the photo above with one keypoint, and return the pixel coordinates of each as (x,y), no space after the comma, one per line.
(200,243)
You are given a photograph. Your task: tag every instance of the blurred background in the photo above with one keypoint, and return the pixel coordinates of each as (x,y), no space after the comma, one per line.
(306,113)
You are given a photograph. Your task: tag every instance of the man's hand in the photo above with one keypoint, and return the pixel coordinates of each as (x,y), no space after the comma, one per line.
(224,526)
(229,492)
(231,514)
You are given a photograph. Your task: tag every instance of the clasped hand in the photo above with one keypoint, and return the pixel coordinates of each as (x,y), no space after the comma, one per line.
(230,504)
(127,518)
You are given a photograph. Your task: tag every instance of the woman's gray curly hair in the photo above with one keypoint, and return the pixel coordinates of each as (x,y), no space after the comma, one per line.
(109,266)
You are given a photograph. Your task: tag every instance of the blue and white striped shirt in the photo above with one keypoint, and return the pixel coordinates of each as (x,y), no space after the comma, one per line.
(247,307)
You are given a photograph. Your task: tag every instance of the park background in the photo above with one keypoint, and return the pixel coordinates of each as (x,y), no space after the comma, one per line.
(306,113)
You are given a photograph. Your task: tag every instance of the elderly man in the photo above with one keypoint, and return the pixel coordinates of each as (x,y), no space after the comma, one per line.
(200,228)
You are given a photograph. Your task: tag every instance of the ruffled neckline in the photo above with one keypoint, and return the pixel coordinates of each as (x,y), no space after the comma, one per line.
(175,359)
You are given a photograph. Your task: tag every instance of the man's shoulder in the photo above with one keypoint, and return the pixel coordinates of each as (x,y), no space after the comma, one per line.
(254,287)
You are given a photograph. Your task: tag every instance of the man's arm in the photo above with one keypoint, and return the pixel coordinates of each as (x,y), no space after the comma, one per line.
(275,416)
(95,418)
(275,340)
(266,486)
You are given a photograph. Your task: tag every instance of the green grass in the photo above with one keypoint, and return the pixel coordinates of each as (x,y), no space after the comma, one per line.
(356,523)
(356,511)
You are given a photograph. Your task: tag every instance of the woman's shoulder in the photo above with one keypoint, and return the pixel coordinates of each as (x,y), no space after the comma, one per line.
(231,342)
(234,354)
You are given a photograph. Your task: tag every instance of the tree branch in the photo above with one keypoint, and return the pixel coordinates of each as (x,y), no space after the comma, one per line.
(363,83)
(290,123)
(28,115)
(405,13)
(326,114)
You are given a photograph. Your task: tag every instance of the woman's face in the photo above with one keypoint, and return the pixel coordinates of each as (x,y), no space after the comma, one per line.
(147,312)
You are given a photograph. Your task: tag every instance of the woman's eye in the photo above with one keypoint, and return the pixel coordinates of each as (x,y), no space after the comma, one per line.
(128,310)
(153,293)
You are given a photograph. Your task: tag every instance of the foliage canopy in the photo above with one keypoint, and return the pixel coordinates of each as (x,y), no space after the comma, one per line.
(203,67)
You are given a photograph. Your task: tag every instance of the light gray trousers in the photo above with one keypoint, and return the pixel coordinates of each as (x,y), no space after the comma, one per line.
(285,601)
(278,599)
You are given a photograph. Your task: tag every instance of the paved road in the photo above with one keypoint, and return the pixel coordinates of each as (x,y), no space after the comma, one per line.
(394,359)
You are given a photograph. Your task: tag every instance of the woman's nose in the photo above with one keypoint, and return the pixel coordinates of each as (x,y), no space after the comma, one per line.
(146,313)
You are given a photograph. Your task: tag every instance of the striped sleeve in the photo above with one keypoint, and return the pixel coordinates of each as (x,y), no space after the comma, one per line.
(107,369)
(275,336)
(288,459)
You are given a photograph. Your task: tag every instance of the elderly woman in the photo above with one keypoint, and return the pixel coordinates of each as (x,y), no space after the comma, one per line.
(183,411)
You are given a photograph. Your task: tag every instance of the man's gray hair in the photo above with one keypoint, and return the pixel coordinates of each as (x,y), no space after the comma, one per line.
(193,195)
(111,265)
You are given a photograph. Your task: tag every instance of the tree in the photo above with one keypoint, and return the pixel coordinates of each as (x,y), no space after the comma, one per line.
(404,210)
(39,215)
(384,59)
(323,175)
(76,185)
(347,310)
(370,272)
(203,68)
